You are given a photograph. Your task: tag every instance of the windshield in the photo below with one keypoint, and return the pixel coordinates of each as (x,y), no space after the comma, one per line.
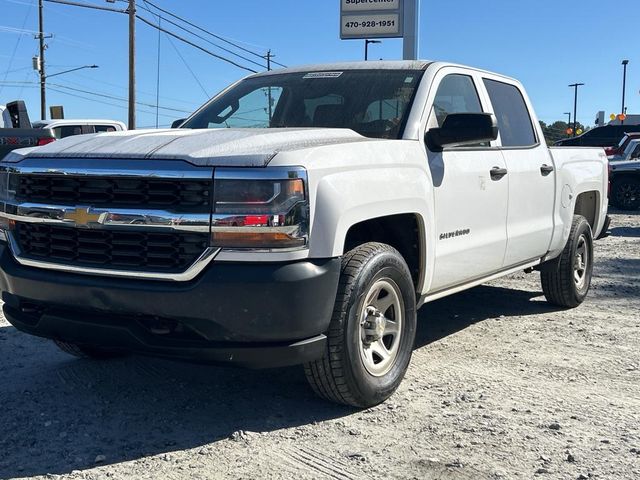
(374,103)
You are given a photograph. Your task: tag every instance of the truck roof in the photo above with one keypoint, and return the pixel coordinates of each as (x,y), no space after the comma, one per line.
(369,65)
(74,121)
(377,65)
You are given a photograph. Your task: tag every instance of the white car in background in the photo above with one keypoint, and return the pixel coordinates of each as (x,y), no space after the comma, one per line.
(70,127)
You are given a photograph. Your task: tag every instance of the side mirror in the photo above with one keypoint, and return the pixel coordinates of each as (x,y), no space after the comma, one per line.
(177,123)
(460,129)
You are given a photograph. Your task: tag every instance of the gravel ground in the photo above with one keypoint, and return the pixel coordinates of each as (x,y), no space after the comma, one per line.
(501,386)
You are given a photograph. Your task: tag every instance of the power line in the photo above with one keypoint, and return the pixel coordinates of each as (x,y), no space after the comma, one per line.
(97,94)
(188,42)
(113,97)
(208,32)
(188,67)
(87,5)
(160,17)
(123,107)
(15,48)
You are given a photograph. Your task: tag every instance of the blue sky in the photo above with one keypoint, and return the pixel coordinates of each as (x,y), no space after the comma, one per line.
(547,44)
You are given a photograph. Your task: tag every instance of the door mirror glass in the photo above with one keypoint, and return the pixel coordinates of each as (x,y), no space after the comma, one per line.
(459,129)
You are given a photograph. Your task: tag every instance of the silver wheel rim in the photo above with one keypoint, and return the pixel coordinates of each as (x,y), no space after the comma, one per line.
(581,262)
(381,322)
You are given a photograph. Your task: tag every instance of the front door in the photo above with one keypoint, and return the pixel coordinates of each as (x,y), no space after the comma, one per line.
(470,194)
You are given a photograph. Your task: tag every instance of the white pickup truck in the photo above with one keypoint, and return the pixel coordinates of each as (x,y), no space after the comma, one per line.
(302,216)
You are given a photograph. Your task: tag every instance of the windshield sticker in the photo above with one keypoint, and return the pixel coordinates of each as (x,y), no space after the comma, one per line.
(323,75)
(408,80)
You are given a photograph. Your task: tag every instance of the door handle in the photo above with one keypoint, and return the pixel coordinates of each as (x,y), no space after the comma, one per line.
(497,173)
(546,169)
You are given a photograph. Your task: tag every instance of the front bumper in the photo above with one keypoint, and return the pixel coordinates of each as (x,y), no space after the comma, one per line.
(249,314)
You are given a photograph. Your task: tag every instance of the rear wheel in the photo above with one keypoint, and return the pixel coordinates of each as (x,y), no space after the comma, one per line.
(626,193)
(372,330)
(86,351)
(566,280)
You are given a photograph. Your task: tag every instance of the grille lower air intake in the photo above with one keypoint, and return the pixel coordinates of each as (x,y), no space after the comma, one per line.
(180,194)
(114,249)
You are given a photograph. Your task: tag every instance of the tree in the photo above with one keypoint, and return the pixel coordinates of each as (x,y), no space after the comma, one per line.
(557,130)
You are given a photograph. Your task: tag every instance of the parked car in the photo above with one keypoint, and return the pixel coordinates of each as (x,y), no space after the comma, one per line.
(367,189)
(622,145)
(605,136)
(625,179)
(69,127)
(630,152)
(16,130)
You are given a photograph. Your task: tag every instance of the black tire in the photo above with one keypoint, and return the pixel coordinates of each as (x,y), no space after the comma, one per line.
(342,375)
(625,193)
(86,351)
(559,282)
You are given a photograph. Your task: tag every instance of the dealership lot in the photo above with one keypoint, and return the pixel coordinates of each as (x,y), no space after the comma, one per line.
(501,385)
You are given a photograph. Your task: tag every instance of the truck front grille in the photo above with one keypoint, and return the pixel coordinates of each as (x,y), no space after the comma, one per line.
(178,195)
(111,249)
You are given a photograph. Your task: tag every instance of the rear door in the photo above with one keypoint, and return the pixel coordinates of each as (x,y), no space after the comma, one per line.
(470,204)
(530,171)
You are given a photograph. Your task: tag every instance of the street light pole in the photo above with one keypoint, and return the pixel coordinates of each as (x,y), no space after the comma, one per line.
(132,64)
(575,105)
(366,47)
(624,87)
(71,70)
(569,122)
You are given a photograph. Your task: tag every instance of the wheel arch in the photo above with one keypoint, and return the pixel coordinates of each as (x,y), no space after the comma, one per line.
(587,204)
(405,232)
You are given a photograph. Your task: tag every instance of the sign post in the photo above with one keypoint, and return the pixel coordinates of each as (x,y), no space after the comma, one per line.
(411,29)
(366,19)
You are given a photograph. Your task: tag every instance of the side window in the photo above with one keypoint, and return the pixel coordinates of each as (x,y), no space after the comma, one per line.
(67,131)
(514,121)
(456,94)
(104,128)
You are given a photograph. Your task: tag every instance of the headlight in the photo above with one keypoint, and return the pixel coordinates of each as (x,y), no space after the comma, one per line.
(260,209)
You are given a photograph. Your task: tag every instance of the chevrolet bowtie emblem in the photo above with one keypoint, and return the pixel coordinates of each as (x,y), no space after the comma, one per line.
(82,216)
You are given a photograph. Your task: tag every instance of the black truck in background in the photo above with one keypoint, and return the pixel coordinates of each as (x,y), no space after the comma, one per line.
(18,132)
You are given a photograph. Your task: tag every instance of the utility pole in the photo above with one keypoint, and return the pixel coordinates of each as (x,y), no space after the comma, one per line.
(269,56)
(132,64)
(43,76)
(575,105)
(624,88)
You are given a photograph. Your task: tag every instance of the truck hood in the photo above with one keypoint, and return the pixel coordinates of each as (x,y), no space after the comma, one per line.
(213,147)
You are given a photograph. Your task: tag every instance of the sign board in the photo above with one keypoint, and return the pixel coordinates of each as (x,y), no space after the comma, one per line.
(362,19)
(57,112)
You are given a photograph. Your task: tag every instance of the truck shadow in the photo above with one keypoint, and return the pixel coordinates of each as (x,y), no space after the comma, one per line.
(59,414)
(449,315)
(633,232)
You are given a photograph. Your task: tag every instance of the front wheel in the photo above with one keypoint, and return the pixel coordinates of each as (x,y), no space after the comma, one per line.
(372,330)
(566,280)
